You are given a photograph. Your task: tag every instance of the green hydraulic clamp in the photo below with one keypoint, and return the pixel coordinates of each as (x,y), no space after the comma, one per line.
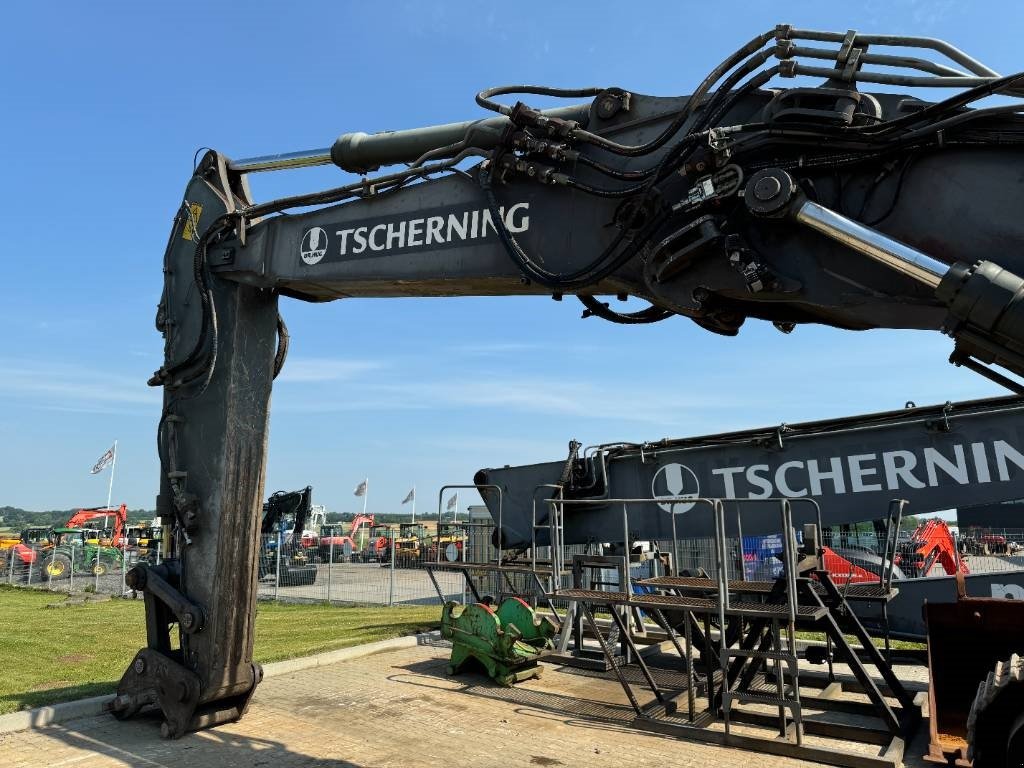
(508,641)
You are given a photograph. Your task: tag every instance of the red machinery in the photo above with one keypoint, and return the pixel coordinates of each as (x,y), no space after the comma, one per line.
(120,515)
(932,543)
(22,555)
(331,535)
(377,546)
(844,571)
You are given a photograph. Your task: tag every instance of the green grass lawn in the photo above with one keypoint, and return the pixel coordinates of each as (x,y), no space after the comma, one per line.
(57,654)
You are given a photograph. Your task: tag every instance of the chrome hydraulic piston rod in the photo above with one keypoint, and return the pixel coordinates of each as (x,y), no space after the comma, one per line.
(362,152)
(985,301)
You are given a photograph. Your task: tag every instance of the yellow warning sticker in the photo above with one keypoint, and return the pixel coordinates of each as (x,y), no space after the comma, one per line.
(195,210)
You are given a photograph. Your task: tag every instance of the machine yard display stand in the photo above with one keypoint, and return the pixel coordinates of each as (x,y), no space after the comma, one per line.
(734,639)
(500,571)
(748,647)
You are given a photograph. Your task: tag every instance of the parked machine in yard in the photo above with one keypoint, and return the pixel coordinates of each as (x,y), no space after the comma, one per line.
(747,199)
(282,556)
(144,542)
(24,549)
(101,536)
(17,556)
(408,539)
(410,543)
(377,549)
(448,543)
(333,538)
(856,565)
(986,544)
(72,553)
(37,536)
(931,544)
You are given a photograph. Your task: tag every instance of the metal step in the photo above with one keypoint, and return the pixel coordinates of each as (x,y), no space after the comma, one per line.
(760,698)
(779,655)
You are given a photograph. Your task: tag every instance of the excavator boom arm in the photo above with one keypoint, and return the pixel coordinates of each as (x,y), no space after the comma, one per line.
(120,515)
(822,204)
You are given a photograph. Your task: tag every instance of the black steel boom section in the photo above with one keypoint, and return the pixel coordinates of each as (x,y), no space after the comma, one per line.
(936,458)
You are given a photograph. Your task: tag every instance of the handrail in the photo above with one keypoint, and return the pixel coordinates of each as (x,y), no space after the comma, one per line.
(554,532)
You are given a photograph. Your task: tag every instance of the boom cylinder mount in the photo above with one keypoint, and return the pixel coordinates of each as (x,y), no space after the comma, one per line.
(985,301)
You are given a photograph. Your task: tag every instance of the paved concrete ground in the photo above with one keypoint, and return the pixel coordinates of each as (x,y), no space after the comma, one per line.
(394,709)
(368,583)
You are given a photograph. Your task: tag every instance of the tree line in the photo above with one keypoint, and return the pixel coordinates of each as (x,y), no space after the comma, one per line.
(16,518)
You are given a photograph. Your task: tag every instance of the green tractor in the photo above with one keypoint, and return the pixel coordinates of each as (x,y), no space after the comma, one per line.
(71,552)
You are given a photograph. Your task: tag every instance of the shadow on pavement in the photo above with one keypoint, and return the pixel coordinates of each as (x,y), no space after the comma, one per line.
(582,710)
(31,699)
(137,743)
(430,673)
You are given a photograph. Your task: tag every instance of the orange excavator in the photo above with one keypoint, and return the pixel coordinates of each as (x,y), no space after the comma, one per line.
(932,543)
(120,515)
(331,534)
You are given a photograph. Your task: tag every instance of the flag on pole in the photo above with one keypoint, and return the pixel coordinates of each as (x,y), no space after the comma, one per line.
(410,496)
(361,488)
(104,461)
(452,502)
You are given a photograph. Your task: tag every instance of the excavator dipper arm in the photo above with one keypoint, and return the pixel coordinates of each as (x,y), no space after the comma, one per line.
(803,202)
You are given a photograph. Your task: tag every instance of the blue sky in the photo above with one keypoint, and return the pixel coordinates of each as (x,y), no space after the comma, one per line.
(105,105)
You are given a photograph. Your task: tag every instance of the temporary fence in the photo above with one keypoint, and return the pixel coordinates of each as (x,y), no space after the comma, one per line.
(389,569)
(71,566)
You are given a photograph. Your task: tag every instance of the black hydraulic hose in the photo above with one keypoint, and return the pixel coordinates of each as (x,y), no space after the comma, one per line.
(164,375)
(283,340)
(616,173)
(338,194)
(862,154)
(651,314)
(592,273)
(211,358)
(675,158)
(718,106)
(714,106)
(570,462)
(963,117)
(761,78)
(875,134)
(484,98)
(946,106)
(698,95)
(599,192)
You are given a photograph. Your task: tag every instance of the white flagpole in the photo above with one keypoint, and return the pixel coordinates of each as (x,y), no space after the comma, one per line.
(456,518)
(414,503)
(110,487)
(366,492)
(110,497)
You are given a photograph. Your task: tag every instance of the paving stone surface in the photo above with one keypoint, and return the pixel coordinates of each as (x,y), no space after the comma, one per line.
(394,709)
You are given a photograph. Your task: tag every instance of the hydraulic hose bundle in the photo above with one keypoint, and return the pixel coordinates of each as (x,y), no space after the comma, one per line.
(752,146)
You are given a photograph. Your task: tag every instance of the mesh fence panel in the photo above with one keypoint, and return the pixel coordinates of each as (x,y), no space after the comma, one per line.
(388,567)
